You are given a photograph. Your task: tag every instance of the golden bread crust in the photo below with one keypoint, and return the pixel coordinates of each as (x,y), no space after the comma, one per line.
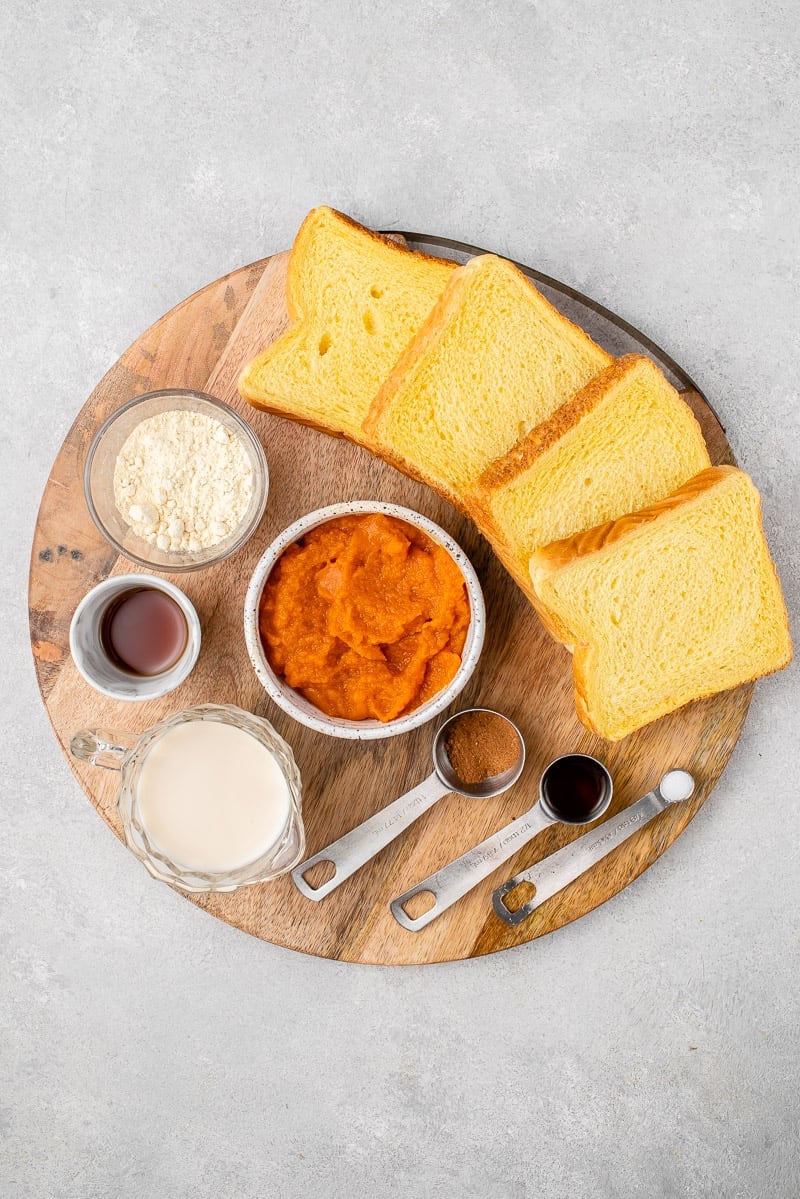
(561,553)
(408,468)
(476,503)
(632,371)
(540,439)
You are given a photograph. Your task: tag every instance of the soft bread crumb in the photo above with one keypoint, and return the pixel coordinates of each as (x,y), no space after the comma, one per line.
(355,299)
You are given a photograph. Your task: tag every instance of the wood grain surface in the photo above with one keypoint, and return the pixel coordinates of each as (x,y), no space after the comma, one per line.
(202,344)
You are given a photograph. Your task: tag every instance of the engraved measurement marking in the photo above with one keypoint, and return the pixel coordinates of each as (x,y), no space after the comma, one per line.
(635,819)
(421,799)
(485,855)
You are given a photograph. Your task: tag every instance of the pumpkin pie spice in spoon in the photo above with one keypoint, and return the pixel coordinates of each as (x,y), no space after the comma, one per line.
(481,745)
(490,751)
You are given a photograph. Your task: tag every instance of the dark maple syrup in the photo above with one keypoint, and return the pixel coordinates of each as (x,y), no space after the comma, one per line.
(144,631)
(575,788)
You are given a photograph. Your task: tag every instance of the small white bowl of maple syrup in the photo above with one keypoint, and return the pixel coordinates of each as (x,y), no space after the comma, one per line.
(135,637)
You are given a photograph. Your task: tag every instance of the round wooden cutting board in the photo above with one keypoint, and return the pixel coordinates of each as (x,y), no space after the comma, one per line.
(202,344)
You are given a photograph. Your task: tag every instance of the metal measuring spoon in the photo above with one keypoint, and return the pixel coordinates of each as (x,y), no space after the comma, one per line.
(356,848)
(460,876)
(554,873)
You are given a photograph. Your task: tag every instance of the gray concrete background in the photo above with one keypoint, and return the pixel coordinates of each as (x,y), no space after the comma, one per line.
(643,152)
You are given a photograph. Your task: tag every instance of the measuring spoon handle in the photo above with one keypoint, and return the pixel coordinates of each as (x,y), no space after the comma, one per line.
(555,872)
(460,876)
(356,848)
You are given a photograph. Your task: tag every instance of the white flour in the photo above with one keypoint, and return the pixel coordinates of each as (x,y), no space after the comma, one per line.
(182,481)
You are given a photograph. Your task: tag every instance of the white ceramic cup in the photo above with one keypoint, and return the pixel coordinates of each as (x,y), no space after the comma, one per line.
(302,709)
(92,660)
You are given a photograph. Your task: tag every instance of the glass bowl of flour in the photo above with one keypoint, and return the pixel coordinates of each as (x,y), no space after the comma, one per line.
(176,480)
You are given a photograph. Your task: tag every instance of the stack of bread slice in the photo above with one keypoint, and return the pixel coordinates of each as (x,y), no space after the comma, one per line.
(589,476)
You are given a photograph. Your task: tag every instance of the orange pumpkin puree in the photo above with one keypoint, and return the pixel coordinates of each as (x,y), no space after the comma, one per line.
(366,616)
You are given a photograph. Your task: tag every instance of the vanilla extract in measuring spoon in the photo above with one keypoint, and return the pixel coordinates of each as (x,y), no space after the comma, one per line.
(144,631)
(574,788)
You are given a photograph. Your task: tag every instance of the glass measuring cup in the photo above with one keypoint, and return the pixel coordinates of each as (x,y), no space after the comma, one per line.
(128,752)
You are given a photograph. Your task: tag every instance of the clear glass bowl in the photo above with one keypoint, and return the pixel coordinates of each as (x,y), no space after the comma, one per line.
(98,479)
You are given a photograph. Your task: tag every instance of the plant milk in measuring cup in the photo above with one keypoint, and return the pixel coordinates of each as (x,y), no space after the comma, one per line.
(209,799)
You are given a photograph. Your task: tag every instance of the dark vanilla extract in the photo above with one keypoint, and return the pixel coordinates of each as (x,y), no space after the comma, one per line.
(144,631)
(575,788)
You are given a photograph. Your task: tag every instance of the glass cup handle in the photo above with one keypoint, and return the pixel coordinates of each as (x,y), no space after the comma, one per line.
(102,747)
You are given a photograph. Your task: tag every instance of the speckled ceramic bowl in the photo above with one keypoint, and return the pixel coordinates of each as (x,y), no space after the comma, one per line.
(301,709)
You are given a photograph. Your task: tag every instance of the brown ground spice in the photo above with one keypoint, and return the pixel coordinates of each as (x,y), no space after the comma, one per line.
(480,745)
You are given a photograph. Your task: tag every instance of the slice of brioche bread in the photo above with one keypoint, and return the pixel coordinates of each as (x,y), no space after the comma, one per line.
(669,604)
(492,360)
(625,440)
(355,299)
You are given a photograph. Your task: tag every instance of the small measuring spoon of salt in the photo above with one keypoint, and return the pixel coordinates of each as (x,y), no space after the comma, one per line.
(552,874)
(362,843)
